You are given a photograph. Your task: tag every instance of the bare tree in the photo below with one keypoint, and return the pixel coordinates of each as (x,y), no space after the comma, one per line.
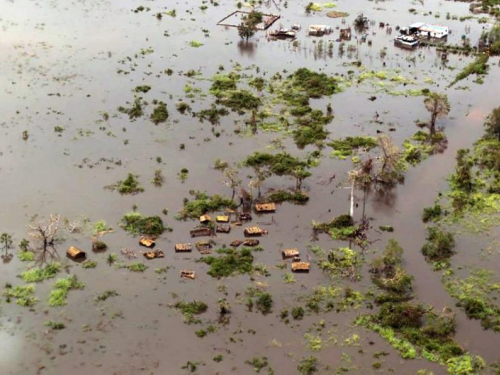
(390,161)
(44,233)
(231,179)
(439,107)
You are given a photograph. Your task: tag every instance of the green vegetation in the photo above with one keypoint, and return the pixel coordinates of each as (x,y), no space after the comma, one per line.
(36,275)
(345,147)
(144,88)
(106,294)
(248,27)
(478,67)
(202,204)
(136,267)
(230,262)
(61,289)
(439,245)
(308,366)
(258,363)
(135,111)
(130,185)
(477,295)
(134,223)
(432,213)
(264,303)
(343,262)
(22,293)
(98,246)
(54,325)
(26,256)
(160,113)
(89,264)
(101,227)
(195,44)
(280,196)
(298,313)
(190,309)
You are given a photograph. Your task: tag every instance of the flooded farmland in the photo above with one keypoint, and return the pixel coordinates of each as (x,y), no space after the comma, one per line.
(127,121)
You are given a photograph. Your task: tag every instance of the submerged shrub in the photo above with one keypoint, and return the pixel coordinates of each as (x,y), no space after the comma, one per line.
(439,246)
(36,275)
(230,262)
(432,213)
(202,204)
(135,223)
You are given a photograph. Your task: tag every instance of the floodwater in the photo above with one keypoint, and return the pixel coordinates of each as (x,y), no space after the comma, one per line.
(60,66)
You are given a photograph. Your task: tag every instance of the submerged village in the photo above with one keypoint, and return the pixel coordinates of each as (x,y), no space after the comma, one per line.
(229,187)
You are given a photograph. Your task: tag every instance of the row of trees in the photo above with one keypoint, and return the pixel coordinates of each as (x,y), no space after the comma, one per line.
(265,165)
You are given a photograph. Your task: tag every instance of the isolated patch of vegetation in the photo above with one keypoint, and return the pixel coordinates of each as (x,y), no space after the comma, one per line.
(54,325)
(478,67)
(23,294)
(61,289)
(439,245)
(190,309)
(230,261)
(106,294)
(345,147)
(202,204)
(136,267)
(134,223)
(160,113)
(130,185)
(135,111)
(36,275)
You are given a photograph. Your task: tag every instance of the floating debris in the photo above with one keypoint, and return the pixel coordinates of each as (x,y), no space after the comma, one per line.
(188,274)
(129,254)
(245,216)
(146,241)
(236,243)
(154,254)
(204,247)
(251,243)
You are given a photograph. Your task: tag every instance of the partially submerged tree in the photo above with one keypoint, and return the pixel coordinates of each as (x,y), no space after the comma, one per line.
(248,26)
(390,162)
(44,233)
(493,124)
(6,242)
(439,107)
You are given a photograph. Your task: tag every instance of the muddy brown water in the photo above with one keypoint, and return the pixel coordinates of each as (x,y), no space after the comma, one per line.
(59,68)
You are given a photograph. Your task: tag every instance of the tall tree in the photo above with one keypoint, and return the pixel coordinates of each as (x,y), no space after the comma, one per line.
(439,107)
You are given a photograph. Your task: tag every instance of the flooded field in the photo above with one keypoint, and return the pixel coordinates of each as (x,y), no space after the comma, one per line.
(123,119)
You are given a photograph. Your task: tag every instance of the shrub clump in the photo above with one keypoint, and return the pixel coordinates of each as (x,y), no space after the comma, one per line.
(36,275)
(432,213)
(135,223)
(130,185)
(61,289)
(160,113)
(345,147)
(202,204)
(439,246)
(23,295)
(230,262)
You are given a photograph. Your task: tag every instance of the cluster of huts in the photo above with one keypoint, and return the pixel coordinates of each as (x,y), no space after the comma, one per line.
(208,227)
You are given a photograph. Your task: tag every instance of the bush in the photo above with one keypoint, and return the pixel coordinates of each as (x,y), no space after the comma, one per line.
(130,185)
(439,245)
(432,213)
(232,261)
(135,223)
(264,303)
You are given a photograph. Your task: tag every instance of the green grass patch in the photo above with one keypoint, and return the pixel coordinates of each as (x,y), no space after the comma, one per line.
(36,275)
(61,289)
(201,204)
(230,261)
(134,223)
(23,294)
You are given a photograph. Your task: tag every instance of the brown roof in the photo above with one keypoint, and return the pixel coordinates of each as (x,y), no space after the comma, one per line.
(300,266)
